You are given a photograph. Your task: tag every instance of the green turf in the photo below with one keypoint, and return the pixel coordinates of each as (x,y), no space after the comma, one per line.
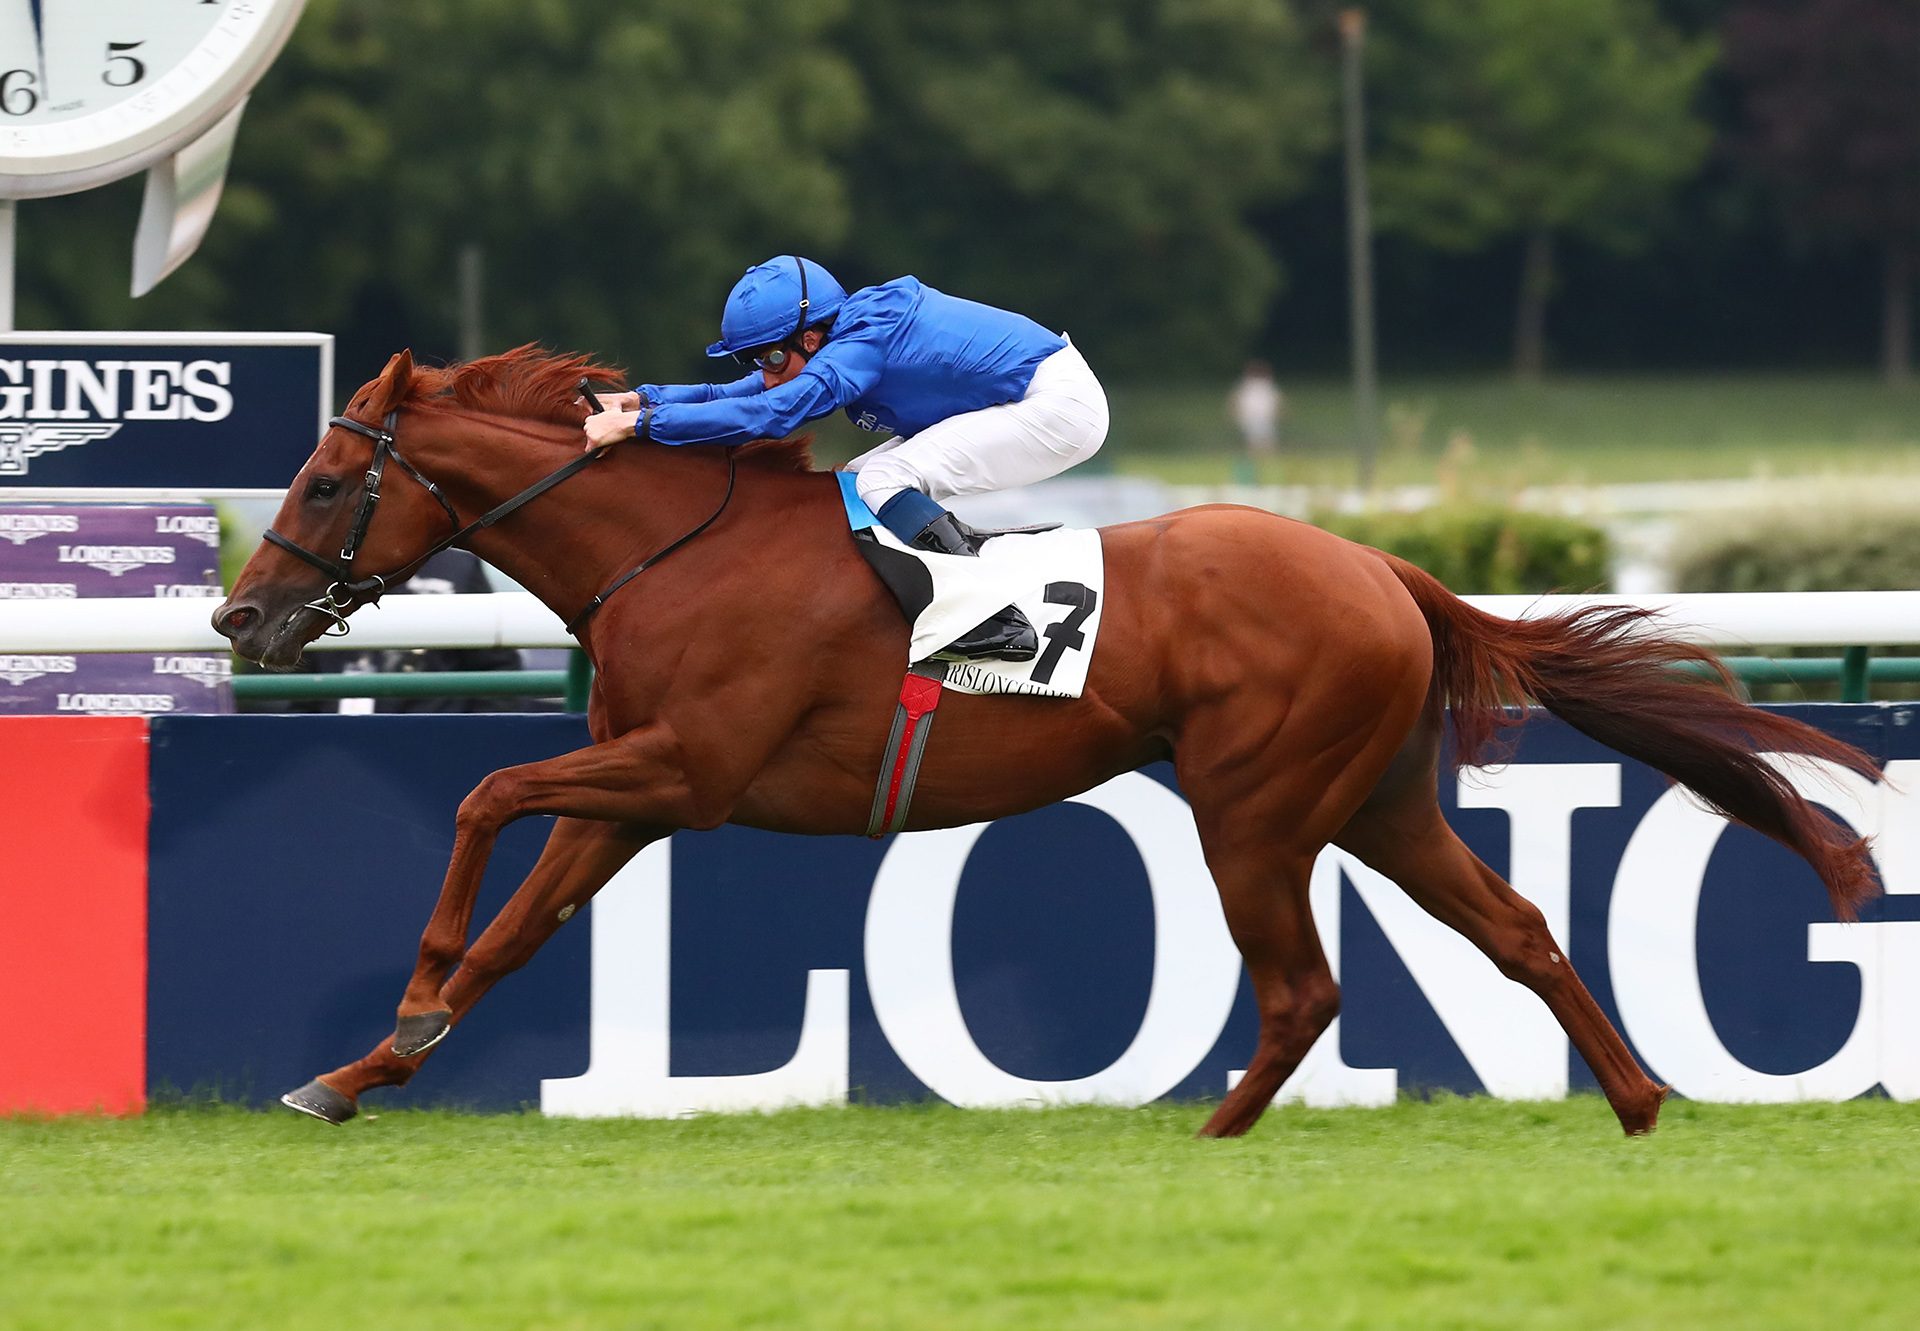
(1491,433)
(1454,1213)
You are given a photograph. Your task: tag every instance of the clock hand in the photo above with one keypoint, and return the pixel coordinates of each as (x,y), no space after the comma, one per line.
(39,46)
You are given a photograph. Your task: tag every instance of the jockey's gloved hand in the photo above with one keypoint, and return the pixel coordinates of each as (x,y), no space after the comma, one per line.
(628,400)
(609,428)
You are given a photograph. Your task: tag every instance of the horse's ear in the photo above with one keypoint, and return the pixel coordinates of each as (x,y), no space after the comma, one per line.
(390,389)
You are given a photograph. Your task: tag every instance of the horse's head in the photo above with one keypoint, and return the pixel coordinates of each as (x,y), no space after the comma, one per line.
(355,515)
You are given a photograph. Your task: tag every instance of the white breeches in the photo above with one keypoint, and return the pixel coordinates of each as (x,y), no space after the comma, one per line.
(1061,420)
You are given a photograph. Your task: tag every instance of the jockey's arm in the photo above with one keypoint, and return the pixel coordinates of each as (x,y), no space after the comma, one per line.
(622,415)
(661,394)
(839,373)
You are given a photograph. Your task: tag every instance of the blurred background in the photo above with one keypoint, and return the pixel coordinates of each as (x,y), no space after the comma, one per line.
(1641,270)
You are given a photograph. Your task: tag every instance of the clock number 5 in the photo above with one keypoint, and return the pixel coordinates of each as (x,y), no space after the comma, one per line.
(17,95)
(116,55)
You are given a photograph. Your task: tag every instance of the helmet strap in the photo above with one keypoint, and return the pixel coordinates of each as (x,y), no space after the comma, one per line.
(801,327)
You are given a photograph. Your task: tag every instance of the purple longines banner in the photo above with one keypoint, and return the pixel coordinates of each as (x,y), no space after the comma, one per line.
(1073,953)
(195,411)
(63,551)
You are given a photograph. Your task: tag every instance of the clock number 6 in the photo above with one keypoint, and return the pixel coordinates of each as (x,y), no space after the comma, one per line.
(116,54)
(17,98)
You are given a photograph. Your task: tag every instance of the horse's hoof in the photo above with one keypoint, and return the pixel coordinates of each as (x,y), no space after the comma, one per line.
(1640,1123)
(420,1032)
(322,1101)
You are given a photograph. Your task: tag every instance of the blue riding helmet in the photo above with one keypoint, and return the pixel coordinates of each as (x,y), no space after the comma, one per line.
(764,307)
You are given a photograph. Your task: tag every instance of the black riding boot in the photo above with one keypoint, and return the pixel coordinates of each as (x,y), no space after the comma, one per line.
(1007,636)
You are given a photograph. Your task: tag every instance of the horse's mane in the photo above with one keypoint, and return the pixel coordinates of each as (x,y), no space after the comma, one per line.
(534,383)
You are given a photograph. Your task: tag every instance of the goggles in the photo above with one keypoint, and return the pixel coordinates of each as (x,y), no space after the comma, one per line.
(766,358)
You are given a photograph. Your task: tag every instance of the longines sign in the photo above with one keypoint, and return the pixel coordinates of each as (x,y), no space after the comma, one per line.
(1072,954)
(207,411)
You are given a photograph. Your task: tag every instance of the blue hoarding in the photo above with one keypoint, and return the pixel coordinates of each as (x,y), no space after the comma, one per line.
(294,861)
(194,411)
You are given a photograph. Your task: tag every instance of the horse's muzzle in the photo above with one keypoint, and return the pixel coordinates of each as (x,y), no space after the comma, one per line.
(263,635)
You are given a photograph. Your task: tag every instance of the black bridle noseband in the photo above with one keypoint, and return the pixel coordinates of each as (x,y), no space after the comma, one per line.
(338,601)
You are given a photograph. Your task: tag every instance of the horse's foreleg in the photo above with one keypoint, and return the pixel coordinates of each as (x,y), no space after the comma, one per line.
(1415,848)
(632,779)
(579,859)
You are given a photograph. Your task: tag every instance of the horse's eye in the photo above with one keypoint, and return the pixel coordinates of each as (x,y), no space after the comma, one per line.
(322,487)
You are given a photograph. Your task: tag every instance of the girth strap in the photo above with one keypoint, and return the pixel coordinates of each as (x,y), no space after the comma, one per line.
(906,746)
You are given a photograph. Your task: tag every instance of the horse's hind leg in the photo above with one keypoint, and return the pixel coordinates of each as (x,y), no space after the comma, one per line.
(1401,833)
(1263,890)
(579,859)
(1266,802)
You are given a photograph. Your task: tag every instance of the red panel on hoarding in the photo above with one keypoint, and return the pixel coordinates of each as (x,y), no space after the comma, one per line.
(73,915)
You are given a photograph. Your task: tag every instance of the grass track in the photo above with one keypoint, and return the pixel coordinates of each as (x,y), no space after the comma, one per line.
(1451,1213)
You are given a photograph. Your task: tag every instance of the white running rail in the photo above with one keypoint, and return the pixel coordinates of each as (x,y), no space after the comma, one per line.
(1727,621)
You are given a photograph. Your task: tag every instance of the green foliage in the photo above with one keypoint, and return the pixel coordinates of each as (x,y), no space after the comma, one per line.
(1824,547)
(619,166)
(1505,116)
(1486,549)
(1090,162)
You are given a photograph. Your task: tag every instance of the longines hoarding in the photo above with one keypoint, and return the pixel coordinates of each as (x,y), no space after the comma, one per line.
(198,411)
(259,926)
(1075,953)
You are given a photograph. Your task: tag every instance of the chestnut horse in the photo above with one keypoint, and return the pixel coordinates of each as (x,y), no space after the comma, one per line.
(1297,681)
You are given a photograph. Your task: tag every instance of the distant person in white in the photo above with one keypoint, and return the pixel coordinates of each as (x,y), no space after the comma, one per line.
(1257,405)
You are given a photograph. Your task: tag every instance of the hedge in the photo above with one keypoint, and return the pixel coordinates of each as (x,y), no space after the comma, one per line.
(1487,549)
(1825,547)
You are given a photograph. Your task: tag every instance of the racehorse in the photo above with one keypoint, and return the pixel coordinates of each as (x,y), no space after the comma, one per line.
(1297,681)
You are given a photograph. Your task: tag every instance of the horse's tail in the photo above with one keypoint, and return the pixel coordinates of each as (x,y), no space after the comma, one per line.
(1607,673)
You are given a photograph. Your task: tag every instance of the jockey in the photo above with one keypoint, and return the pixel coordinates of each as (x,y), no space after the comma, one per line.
(975,398)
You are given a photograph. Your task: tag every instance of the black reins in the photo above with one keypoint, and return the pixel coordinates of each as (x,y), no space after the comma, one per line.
(339,598)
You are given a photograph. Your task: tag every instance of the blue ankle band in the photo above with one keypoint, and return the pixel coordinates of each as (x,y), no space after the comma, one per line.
(907,514)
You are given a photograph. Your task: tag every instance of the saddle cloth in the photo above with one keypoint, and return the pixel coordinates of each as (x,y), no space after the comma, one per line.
(1056,578)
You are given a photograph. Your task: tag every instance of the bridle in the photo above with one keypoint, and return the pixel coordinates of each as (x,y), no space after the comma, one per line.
(345,590)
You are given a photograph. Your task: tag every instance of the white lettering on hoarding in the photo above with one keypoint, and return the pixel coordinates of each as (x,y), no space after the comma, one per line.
(627,1069)
(1652,925)
(207,670)
(23,527)
(204,529)
(116,559)
(20,669)
(107,389)
(46,405)
(117,704)
(1505,1033)
(1196,970)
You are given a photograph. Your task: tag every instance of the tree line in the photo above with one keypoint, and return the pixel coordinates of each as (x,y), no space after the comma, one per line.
(1159,177)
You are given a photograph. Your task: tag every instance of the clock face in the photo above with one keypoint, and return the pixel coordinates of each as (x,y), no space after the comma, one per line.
(89,84)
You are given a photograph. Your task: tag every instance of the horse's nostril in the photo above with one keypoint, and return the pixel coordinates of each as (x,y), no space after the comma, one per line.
(237,619)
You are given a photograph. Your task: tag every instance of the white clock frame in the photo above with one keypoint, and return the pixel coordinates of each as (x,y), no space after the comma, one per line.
(182,128)
(188,100)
